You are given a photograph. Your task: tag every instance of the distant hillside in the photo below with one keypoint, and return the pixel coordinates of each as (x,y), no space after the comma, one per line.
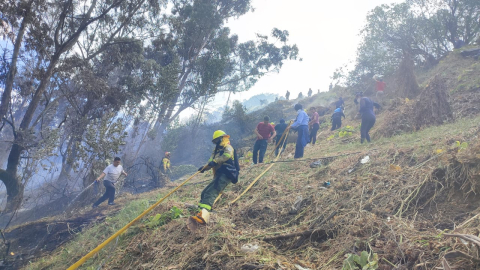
(252,104)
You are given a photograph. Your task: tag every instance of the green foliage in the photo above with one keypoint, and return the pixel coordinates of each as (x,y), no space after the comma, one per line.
(237,114)
(365,261)
(461,146)
(424,29)
(162,219)
(181,170)
(346,131)
(172,137)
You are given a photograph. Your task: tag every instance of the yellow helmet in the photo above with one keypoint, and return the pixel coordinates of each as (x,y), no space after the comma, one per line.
(218,134)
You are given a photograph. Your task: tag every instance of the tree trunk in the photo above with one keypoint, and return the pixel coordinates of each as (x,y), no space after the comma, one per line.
(7,92)
(68,159)
(10,179)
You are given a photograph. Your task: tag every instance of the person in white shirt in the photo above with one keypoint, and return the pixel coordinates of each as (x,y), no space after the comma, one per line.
(112,173)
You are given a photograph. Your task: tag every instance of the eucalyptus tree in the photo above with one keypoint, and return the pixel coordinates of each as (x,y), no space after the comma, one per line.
(55,35)
(195,56)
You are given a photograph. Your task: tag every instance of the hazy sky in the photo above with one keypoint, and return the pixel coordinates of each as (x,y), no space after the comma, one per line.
(326,32)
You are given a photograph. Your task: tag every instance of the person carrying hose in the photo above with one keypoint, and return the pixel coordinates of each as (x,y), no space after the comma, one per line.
(280,129)
(112,173)
(367,113)
(225,168)
(301,126)
(264,132)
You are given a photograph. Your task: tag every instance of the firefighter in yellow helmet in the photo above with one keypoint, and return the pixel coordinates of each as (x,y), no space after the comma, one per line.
(225,168)
(166,163)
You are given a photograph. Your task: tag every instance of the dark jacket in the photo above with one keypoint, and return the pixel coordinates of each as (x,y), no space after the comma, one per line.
(227,162)
(280,128)
(337,115)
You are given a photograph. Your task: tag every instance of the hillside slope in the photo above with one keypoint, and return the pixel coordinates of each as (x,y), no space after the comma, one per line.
(415,188)
(397,205)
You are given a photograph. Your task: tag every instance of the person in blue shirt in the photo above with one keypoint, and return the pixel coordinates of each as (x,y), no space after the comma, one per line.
(301,126)
(336,119)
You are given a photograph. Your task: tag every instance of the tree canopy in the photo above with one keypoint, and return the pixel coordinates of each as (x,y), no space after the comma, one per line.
(78,75)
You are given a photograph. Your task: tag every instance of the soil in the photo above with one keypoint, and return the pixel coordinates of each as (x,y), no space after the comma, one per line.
(40,238)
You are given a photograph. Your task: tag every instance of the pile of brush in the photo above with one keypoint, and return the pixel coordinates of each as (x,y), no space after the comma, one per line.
(431,107)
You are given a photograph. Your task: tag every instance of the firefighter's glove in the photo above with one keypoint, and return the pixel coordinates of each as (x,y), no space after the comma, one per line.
(212,164)
(202,169)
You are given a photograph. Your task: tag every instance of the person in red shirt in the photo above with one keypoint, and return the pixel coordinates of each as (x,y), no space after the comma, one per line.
(265,132)
(380,87)
(314,125)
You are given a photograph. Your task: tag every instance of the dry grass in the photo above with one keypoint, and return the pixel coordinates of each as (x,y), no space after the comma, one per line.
(416,187)
(432,107)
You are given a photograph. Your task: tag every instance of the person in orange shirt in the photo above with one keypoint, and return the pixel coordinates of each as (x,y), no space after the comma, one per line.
(380,87)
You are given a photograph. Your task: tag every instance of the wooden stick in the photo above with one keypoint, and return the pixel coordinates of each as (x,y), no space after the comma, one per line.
(466,237)
(457,254)
(468,221)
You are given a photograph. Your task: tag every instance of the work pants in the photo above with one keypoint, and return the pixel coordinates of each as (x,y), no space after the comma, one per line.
(302,141)
(313,133)
(336,123)
(368,121)
(109,193)
(260,146)
(210,193)
(281,144)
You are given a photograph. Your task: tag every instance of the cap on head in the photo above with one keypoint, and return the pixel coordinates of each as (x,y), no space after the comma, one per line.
(282,121)
(298,107)
(217,134)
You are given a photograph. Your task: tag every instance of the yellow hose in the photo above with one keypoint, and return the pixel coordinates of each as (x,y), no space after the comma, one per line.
(111,238)
(266,170)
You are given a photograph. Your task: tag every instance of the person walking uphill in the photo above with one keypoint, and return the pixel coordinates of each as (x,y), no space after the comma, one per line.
(112,173)
(337,119)
(280,129)
(224,164)
(264,131)
(367,113)
(301,126)
(380,87)
(339,103)
(314,124)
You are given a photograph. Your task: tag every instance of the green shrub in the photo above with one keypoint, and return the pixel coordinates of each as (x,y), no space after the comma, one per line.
(181,170)
(365,261)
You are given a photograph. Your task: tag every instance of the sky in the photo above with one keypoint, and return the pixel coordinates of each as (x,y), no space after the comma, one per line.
(326,32)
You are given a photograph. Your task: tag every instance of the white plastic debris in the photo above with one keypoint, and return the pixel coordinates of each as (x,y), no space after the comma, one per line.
(250,248)
(301,268)
(365,160)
